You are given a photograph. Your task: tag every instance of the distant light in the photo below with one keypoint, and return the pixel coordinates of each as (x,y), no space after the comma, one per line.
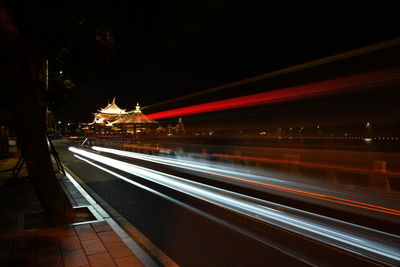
(61,72)
(59,122)
(318,126)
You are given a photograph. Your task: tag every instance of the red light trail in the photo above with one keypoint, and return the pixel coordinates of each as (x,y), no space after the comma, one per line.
(338,85)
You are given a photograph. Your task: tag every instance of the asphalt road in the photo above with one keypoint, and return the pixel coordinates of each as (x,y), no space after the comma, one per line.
(195,233)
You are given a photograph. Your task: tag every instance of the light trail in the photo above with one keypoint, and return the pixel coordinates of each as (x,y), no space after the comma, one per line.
(304,66)
(305,164)
(230,175)
(338,85)
(224,223)
(149,147)
(376,245)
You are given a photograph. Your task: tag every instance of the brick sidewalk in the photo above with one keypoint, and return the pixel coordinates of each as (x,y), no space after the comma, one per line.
(83,244)
(89,244)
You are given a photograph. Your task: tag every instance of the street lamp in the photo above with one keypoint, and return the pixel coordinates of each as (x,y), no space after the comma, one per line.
(55,126)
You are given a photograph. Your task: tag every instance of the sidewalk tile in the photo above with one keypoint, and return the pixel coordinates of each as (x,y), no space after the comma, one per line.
(101,226)
(93,246)
(100,260)
(109,237)
(65,230)
(118,250)
(70,243)
(85,232)
(130,261)
(73,258)
(55,232)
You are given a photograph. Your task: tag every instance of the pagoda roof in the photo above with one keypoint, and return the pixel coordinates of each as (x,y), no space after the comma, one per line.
(112,108)
(97,121)
(136,117)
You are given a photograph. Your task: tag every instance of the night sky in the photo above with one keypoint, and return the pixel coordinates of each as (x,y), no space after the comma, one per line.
(163,50)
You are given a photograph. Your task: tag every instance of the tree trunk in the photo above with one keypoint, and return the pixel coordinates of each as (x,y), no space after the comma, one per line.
(29,118)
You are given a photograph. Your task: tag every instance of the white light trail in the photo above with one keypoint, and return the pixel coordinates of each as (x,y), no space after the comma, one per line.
(369,243)
(186,164)
(199,212)
(219,171)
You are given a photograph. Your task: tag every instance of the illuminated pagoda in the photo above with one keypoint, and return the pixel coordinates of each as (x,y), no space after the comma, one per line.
(109,114)
(113,120)
(135,122)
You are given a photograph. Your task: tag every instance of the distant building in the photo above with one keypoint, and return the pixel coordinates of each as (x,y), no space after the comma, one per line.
(113,120)
(109,114)
(177,129)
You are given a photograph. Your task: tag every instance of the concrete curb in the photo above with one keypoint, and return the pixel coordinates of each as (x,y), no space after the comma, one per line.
(123,228)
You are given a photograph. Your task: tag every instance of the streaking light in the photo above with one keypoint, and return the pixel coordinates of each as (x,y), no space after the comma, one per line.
(348,83)
(186,206)
(230,175)
(360,240)
(149,147)
(307,65)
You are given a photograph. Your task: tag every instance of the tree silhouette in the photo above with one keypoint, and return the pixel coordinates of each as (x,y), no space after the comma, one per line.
(22,78)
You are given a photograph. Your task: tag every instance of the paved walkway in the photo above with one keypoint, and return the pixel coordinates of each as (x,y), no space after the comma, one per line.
(92,243)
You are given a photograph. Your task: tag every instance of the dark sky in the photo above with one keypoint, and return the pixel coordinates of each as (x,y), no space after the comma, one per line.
(166,49)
